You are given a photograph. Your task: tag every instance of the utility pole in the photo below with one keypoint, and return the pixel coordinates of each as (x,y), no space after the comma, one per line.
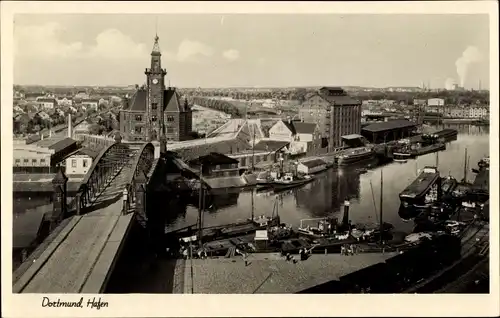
(200,208)
(381,204)
(253,148)
(465,166)
(253,190)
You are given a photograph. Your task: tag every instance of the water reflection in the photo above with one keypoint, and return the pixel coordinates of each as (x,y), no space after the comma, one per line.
(325,196)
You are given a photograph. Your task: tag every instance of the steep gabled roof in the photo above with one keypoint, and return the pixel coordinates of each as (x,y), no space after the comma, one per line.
(214,158)
(304,128)
(170,97)
(171,100)
(270,145)
(138,100)
(290,126)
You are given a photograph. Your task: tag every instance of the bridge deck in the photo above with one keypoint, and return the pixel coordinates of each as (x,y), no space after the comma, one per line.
(81,256)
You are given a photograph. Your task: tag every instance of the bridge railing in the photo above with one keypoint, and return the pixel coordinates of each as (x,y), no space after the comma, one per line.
(138,178)
(104,167)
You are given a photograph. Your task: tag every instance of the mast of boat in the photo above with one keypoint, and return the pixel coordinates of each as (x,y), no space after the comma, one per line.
(200,208)
(253,190)
(381,203)
(465,166)
(253,148)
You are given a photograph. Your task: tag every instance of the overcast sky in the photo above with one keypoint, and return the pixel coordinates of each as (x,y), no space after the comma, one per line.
(252,50)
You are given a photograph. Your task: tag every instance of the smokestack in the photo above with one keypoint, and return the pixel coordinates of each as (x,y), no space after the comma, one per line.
(345,217)
(70,132)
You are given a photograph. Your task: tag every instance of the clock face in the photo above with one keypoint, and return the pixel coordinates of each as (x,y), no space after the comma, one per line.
(155,81)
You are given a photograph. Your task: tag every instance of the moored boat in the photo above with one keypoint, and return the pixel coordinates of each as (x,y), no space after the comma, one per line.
(423,150)
(420,194)
(355,155)
(447,134)
(289,181)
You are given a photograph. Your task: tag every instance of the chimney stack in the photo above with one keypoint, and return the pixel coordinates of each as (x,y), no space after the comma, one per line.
(345,218)
(70,132)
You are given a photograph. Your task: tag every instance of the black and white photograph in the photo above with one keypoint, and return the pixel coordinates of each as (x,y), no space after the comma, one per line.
(250,153)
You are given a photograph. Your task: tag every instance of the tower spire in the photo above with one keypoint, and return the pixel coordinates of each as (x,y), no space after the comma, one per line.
(156,46)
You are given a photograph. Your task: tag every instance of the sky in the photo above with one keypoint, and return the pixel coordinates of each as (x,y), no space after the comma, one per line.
(253,50)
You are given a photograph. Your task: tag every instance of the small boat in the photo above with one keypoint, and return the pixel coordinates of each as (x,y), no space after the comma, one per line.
(289,181)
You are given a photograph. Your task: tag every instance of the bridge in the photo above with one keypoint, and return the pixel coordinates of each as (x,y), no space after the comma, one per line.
(80,253)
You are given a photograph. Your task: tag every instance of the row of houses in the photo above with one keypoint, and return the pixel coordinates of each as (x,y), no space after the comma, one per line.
(473,112)
(43,102)
(47,155)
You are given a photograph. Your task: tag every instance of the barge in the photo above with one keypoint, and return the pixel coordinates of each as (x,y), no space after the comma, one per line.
(420,194)
(428,145)
(355,155)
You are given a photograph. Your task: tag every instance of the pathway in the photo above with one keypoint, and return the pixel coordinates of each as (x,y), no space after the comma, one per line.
(80,258)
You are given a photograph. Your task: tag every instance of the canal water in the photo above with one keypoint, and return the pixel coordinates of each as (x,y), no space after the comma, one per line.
(325,196)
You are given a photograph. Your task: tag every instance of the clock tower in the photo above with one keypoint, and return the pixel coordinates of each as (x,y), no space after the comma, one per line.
(155,84)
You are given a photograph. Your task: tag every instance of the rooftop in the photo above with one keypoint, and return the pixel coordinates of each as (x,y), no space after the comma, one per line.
(58,145)
(303,128)
(389,125)
(337,96)
(213,158)
(313,163)
(270,145)
(352,136)
(171,101)
(85,151)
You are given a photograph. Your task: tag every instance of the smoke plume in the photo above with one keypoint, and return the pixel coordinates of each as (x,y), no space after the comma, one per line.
(470,55)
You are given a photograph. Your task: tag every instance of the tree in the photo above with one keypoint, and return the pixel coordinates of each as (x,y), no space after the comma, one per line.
(95,129)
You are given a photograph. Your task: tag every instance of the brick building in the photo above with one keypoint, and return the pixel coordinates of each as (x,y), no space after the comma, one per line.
(155,109)
(335,113)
